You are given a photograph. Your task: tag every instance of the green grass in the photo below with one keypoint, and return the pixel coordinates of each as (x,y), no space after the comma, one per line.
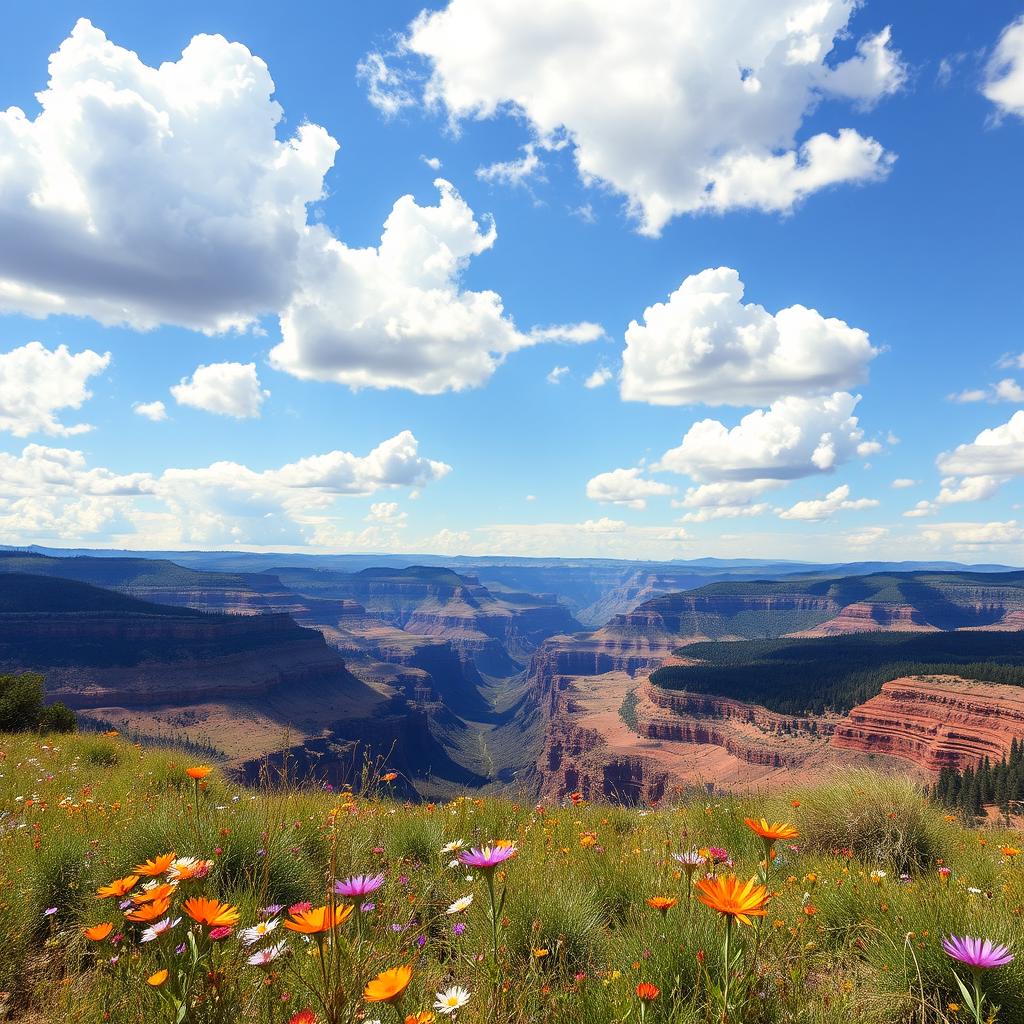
(79,811)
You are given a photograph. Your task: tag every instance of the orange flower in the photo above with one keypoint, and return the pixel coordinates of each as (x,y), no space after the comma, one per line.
(157,979)
(158,892)
(423,1017)
(212,913)
(318,919)
(733,898)
(388,985)
(770,832)
(810,910)
(302,1017)
(198,772)
(662,903)
(646,992)
(1009,851)
(118,887)
(155,866)
(149,911)
(389,777)
(98,932)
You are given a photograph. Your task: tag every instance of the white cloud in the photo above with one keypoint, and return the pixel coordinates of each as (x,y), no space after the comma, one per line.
(225,389)
(148,195)
(513,172)
(817,509)
(903,482)
(1011,361)
(725,493)
(598,378)
(712,513)
(1006,390)
(969,395)
(795,437)
(145,195)
(387,513)
(556,374)
(383,86)
(396,315)
(433,162)
(36,383)
(976,470)
(921,510)
(53,494)
(625,487)
(680,105)
(600,538)
(531,497)
(974,536)
(1004,76)
(705,345)
(866,448)
(155,411)
(867,537)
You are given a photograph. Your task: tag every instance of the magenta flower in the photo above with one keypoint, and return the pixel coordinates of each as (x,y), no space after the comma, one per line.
(976,952)
(359,885)
(487,857)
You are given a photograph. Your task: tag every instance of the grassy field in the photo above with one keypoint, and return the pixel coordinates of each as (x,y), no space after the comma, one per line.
(859,903)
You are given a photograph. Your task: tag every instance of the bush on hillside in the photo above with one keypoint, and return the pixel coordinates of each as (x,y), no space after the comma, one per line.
(22,708)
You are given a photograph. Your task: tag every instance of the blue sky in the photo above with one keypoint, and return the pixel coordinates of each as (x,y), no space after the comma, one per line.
(919,247)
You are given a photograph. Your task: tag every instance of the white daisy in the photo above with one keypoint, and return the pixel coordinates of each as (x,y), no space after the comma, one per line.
(154,931)
(455,844)
(451,999)
(461,904)
(249,936)
(268,955)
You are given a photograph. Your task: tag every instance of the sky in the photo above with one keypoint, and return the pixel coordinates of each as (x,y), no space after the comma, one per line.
(666,279)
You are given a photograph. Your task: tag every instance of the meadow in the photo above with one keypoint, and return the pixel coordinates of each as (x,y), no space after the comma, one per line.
(137,885)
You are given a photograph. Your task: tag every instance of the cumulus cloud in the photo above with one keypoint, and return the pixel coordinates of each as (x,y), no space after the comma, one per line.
(433,162)
(706,345)
(598,378)
(974,536)
(146,195)
(162,195)
(816,509)
(711,513)
(396,315)
(921,510)
(626,487)
(155,411)
(1004,76)
(52,493)
(225,389)
(513,172)
(794,437)
(725,493)
(556,374)
(36,383)
(902,482)
(867,537)
(593,538)
(387,513)
(1006,390)
(680,106)
(976,470)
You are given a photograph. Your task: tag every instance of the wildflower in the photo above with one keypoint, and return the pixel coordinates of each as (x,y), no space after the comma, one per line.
(315,920)
(302,1017)
(539,954)
(455,844)
(211,913)
(646,992)
(732,898)
(976,953)
(458,929)
(691,859)
(268,955)
(423,1017)
(451,999)
(272,911)
(220,932)
(388,986)
(461,904)
(389,777)
(156,980)
(49,911)
(662,903)
(158,892)
(154,931)
(185,868)
(149,911)
(98,932)
(488,857)
(249,936)
(1009,851)
(119,887)
(876,875)
(944,873)
(155,865)
(198,772)
(359,885)
(771,832)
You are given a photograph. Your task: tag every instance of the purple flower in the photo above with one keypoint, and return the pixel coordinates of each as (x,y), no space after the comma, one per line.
(486,858)
(272,911)
(976,952)
(368,908)
(359,885)
(49,911)
(421,941)
(458,928)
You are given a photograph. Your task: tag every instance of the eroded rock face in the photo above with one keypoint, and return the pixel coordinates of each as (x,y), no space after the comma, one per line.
(936,721)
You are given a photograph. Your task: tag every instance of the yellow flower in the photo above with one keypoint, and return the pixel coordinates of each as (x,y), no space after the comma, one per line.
(157,979)
(388,985)
(198,772)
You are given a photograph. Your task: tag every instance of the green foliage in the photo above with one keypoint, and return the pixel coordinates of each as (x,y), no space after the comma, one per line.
(22,707)
(796,677)
(627,712)
(972,788)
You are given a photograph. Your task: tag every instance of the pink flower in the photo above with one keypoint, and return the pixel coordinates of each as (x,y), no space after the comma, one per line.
(359,885)
(976,952)
(487,857)
(220,933)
